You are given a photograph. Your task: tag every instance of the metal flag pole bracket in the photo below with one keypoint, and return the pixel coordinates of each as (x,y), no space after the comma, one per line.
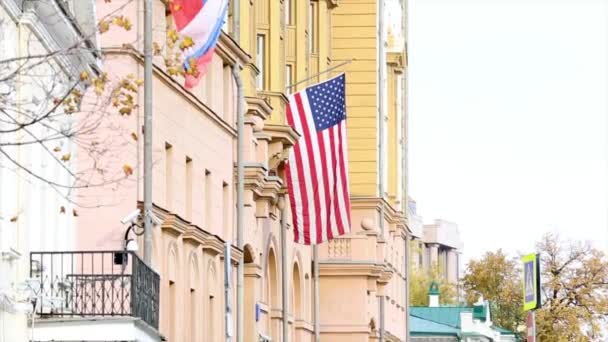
(320,73)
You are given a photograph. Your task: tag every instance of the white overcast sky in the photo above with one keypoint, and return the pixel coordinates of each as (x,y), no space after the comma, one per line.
(508,129)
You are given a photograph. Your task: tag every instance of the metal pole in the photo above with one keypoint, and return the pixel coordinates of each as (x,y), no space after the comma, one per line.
(148,132)
(319,73)
(240,206)
(284,268)
(315,263)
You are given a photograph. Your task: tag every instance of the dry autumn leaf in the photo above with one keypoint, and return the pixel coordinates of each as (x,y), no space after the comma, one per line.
(66,157)
(156,49)
(127,169)
(134,136)
(62,210)
(84,76)
(14,218)
(125,111)
(74,212)
(186,43)
(57,149)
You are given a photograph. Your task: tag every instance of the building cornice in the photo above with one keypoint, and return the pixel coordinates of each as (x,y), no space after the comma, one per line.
(282,133)
(350,268)
(391,215)
(190,233)
(231,52)
(257,108)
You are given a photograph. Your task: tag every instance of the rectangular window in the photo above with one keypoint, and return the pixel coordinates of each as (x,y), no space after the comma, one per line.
(312,28)
(288,76)
(169,175)
(226,211)
(172,309)
(288,15)
(208,204)
(193,321)
(400,142)
(188,191)
(261,61)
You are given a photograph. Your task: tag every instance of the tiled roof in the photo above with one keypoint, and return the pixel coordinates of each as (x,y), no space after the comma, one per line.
(446,315)
(443,320)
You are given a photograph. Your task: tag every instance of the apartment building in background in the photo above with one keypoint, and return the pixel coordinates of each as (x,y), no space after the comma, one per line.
(436,244)
(106,292)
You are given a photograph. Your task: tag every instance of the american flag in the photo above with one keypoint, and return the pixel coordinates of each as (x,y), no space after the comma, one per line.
(317,170)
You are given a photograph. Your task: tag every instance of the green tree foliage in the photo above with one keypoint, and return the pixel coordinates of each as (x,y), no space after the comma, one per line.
(496,277)
(421,279)
(420,282)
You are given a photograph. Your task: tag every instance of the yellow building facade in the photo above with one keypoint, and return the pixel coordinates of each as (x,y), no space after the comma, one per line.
(363,275)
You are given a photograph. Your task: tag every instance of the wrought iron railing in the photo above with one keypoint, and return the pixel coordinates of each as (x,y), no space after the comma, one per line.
(99,283)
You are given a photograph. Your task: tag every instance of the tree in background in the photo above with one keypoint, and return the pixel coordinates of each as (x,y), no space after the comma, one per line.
(420,282)
(574,279)
(57,102)
(496,277)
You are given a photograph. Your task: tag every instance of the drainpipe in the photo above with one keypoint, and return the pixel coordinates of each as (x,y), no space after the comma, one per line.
(240,175)
(284,268)
(240,188)
(381,147)
(236,21)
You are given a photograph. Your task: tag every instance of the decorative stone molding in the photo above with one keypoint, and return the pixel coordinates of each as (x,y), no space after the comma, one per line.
(278,101)
(257,109)
(282,138)
(304,325)
(391,216)
(339,248)
(328,268)
(193,234)
(253,270)
(255,176)
(267,196)
(230,52)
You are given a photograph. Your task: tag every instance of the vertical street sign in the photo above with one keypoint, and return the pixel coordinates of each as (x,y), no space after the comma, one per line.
(531,292)
(531,288)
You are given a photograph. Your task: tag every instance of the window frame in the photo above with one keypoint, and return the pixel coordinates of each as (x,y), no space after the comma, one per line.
(260,82)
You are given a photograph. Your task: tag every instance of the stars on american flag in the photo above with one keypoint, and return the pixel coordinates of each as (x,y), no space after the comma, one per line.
(327,103)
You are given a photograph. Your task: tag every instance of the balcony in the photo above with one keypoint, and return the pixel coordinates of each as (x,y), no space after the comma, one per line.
(95,286)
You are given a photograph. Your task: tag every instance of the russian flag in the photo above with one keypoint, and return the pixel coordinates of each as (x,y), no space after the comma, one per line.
(202,21)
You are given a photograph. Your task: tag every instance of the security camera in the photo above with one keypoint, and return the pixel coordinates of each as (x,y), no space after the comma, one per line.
(131,218)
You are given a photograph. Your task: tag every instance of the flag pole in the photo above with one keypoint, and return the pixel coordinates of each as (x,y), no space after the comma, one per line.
(319,73)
